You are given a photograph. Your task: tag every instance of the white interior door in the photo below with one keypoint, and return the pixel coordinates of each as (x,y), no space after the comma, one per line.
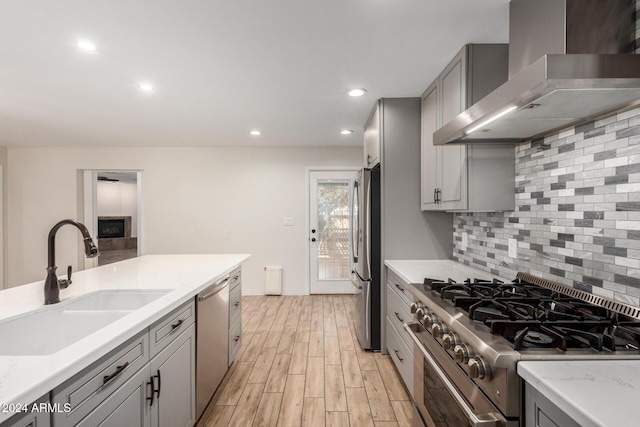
(329,233)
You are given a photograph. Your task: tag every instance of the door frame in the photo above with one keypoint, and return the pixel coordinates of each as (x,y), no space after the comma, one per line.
(307,222)
(89,206)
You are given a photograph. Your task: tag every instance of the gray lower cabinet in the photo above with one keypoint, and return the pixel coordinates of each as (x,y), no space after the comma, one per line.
(542,412)
(31,418)
(174,375)
(130,387)
(125,407)
(235,313)
(398,312)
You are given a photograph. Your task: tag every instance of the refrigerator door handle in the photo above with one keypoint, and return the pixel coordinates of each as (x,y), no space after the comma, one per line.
(355,277)
(362,284)
(367,314)
(355,222)
(360,278)
(368,225)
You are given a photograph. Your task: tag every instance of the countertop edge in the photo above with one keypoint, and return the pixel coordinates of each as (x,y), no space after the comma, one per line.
(577,388)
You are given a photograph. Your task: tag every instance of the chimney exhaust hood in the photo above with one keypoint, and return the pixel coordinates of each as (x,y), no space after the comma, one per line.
(569,61)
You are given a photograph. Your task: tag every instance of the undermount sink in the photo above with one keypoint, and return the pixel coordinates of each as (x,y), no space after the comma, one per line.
(114,300)
(48,330)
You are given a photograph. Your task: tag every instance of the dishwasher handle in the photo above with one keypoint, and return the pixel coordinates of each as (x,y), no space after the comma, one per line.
(214,289)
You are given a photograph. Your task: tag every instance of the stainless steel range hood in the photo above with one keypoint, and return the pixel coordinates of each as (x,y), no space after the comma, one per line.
(565,67)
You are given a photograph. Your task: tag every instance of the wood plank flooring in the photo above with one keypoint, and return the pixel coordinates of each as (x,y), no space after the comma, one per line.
(300,365)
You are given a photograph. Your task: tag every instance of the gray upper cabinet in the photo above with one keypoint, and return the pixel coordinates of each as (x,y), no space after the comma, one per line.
(461,177)
(372,139)
(429,156)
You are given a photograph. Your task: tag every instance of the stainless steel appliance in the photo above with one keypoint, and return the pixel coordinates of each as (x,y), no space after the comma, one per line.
(468,338)
(569,61)
(212,350)
(365,253)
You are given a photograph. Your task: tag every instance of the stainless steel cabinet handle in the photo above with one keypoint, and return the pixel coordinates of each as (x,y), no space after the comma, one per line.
(398,355)
(218,286)
(435,195)
(237,303)
(236,338)
(398,316)
(399,287)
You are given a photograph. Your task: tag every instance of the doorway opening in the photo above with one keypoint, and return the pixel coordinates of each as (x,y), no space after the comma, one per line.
(112,207)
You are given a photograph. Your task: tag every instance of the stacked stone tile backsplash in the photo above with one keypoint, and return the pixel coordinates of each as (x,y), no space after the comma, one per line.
(577,216)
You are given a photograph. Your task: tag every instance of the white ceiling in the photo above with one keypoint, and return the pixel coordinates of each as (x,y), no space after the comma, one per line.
(221,67)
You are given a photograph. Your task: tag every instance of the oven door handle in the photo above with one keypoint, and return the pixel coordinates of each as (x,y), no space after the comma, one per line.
(484,420)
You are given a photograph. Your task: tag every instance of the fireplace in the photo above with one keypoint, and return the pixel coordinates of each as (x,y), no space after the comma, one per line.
(111,228)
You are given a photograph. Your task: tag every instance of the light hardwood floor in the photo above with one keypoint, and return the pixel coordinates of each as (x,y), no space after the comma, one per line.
(300,365)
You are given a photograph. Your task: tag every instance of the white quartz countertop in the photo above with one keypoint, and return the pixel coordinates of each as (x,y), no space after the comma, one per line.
(415,271)
(24,379)
(593,393)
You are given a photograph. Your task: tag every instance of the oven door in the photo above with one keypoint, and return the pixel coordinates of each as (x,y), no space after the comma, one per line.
(440,401)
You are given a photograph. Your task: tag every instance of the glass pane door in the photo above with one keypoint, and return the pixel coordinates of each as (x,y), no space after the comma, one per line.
(330,231)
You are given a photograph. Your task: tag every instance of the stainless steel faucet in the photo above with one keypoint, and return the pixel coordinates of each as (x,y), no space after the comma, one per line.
(51,284)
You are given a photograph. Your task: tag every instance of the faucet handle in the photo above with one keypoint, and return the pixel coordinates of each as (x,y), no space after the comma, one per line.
(64,284)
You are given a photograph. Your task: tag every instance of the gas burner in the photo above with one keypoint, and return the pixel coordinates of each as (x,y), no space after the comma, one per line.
(487,312)
(450,292)
(534,339)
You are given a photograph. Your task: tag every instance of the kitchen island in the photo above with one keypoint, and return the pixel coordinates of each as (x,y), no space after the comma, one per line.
(603,393)
(25,378)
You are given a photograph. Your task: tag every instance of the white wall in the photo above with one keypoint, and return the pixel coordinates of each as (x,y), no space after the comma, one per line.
(191,196)
(118,199)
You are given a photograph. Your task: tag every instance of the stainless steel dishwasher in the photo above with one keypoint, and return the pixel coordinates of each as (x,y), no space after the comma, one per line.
(212,329)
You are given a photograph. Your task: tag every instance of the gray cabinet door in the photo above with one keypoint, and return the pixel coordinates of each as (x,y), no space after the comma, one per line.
(542,412)
(31,419)
(173,370)
(128,406)
(429,153)
(372,139)
(453,177)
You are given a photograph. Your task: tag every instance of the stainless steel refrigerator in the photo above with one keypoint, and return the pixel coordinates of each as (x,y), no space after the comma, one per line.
(366,256)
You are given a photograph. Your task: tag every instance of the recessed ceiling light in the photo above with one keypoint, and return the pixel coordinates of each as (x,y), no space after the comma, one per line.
(356,92)
(86,45)
(346,132)
(145,87)
(255,132)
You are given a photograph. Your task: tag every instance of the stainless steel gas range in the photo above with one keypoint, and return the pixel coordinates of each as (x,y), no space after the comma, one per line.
(468,338)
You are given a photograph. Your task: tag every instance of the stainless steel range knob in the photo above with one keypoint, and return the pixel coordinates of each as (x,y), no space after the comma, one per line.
(430,319)
(462,353)
(478,368)
(438,329)
(419,313)
(450,340)
(415,307)
(426,319)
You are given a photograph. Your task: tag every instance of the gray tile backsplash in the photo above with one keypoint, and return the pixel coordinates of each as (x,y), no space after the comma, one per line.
(577,216)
